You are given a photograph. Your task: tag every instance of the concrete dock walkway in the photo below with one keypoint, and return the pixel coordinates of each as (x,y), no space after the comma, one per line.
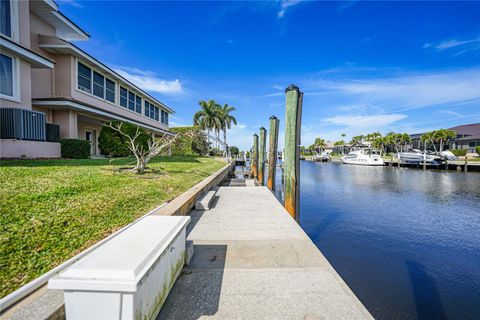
(252,261)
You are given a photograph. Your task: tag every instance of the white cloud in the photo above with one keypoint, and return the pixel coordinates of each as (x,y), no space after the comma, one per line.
(456,47)
(148,80)
(454,43)
(285,5)
(409,91)
(376,121)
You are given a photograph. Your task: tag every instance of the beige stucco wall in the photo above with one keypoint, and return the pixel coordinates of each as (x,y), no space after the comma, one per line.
(63,76)
(40,27)
(29,149)
(24,23)
(67,120)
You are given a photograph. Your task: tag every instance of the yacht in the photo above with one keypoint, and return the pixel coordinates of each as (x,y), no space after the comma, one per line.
(416,156)
(364,157)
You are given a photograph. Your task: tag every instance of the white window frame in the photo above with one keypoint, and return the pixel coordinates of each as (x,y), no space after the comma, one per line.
(14,22)
(16,80)
(117,88)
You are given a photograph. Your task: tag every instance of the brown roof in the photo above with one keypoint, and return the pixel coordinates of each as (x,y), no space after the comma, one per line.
(467,129)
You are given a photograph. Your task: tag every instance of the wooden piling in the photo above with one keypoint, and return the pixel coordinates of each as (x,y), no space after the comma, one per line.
(293,116)
(272,155)
(254,158)
(261,156)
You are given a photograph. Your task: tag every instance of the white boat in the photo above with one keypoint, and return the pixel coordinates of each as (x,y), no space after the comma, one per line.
(324,156)
(416,157)
(364,157)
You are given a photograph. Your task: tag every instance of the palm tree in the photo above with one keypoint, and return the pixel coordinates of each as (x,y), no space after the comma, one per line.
(226,120)
(340,143)
(208,117)
(430,136)
(319,144)
(443,135)
(357,139)
(404,139)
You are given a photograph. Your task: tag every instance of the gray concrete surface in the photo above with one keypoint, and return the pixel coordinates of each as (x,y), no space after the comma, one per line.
(252,261)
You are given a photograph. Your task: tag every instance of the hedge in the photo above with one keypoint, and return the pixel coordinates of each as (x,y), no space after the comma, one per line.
(75,148)
(191,141)
(459,152)
(111,143)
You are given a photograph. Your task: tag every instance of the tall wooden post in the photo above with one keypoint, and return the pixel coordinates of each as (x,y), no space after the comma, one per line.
(293,118)
(254,157)
(272,154)
(261,156)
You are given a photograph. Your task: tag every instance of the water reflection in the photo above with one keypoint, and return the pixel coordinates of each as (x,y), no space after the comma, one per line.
(406,241)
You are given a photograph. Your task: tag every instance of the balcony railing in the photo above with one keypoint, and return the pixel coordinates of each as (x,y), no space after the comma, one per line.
(22,124)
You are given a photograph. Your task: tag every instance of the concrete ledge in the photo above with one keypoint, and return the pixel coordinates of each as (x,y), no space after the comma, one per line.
(10,148)
(182,204)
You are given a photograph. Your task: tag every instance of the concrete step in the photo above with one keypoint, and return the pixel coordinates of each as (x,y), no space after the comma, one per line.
(206,201)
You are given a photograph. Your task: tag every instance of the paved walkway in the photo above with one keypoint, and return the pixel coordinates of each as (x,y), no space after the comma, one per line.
(252,261)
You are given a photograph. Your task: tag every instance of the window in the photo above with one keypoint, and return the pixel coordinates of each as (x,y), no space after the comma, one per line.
(5,18)
(7,75)
(98,85)
(165,117)
(109,90)
(123,97)
(138,104)
(151,111)
(471,144)
(84,78)
(131,100)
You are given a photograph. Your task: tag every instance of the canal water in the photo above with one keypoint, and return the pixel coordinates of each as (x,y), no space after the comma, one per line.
(406,241)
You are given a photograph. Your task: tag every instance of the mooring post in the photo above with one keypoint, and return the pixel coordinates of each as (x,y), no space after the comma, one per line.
(272,155)
(293,116)
(466,163)
(254,158)
(261,156)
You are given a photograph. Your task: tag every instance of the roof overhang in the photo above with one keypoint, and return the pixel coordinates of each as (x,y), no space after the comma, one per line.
(58,46)
(36,60)
(65,29)
(69,104)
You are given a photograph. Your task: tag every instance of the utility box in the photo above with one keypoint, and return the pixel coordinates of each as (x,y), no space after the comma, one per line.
(129,276)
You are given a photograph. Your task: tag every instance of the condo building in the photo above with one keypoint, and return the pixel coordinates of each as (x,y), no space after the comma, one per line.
(52,90)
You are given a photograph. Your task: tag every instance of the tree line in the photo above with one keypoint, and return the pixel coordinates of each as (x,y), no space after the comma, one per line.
(398,141)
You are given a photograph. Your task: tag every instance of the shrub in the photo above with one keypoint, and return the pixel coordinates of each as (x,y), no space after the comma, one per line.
(75,148)
(459,152)
(112,143)
(477,150)
(191,141)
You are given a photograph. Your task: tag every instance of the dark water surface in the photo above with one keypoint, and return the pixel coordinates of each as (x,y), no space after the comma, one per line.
(407,242)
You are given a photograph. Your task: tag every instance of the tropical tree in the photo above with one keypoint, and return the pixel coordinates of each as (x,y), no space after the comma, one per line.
(404,139)
(340,143)
(442,136)
(319,144)
(357,139)
(209,117)
(226,120)
(379,143)
(429,137)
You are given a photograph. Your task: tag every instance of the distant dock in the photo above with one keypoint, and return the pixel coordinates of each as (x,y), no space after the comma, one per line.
(253,261)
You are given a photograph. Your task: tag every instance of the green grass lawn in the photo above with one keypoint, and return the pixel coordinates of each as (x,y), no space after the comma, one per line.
(52,209)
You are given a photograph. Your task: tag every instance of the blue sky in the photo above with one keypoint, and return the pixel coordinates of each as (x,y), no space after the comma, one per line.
(363,65)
